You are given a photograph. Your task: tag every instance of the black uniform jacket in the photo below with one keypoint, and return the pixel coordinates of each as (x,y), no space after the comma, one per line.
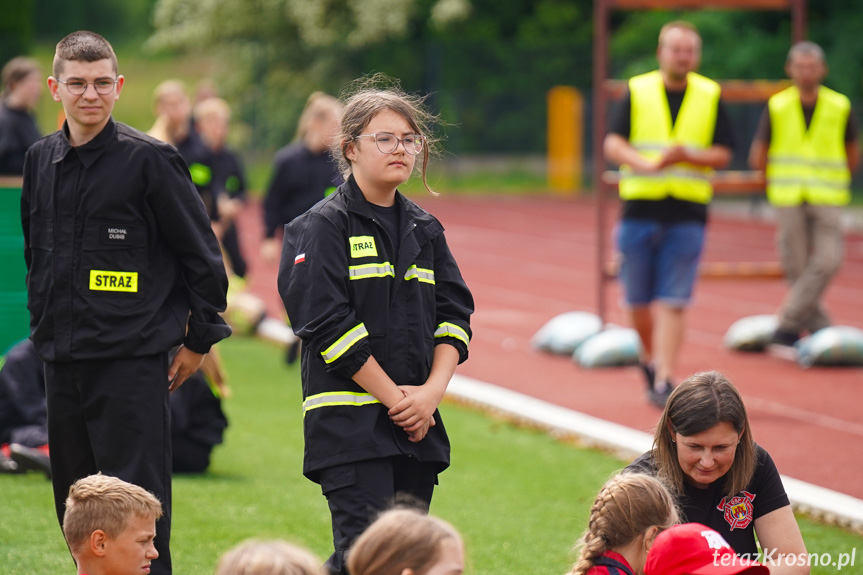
(118,248)
(300,180)
(349,296)
(18,131)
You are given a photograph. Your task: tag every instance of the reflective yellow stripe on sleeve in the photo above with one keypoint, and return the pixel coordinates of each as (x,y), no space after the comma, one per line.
(366,271)
(346,398)
(420,274)
(447,329)
(344,343)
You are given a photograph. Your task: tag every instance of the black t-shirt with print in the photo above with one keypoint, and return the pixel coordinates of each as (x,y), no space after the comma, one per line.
(734,518)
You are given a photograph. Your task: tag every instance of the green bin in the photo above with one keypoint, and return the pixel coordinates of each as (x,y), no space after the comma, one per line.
(14,317)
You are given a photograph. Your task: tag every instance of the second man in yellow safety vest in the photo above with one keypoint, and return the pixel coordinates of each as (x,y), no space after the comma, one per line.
(807,144)
(669,132)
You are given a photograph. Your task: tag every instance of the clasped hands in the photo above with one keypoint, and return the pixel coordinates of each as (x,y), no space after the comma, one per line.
(415,411)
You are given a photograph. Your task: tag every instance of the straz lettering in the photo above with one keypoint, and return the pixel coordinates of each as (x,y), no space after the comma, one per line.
(362,246)
(101,280)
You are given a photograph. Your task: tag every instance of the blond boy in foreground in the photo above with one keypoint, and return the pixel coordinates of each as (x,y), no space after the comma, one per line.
(110,526)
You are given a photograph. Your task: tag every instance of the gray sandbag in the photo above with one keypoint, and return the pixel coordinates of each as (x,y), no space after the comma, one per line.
(751,333)
(565,332)
(616,346)
(834,345)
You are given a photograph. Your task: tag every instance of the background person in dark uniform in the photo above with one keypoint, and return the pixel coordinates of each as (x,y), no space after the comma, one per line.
(197,423)
(122,267)
(174,125)
(21,83)
(304,171)
(212,119)
(23,413)
(197,419)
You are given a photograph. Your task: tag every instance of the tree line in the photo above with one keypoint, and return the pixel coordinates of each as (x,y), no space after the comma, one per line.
(486,64)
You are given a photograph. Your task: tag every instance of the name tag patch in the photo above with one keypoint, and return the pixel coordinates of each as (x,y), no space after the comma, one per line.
(101,280)
(115,234)
(362,246)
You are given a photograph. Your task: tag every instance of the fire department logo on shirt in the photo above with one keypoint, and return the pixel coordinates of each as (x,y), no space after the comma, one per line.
(738,510)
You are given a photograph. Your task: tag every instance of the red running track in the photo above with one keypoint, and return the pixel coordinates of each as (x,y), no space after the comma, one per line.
(528,259)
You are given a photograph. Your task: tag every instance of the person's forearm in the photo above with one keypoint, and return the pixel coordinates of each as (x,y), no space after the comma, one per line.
(716,157)
(443,367)
(758,156)
(374,379)
(619,151)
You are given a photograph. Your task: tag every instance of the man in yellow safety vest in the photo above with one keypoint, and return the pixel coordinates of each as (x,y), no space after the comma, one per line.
(807,144)
(668,133)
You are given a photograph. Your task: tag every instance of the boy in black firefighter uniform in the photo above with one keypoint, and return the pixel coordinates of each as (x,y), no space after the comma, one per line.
(374,292)
(122,266)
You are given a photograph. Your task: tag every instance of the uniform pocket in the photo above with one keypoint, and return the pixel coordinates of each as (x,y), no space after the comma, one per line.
(338,477)
(114,260)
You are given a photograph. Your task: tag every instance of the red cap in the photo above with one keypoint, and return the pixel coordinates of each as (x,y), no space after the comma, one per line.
(695,549)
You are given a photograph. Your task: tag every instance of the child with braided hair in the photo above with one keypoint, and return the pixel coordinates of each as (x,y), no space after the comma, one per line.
(629,512)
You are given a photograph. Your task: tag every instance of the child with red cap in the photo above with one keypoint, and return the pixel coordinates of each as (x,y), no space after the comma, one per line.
(695,549)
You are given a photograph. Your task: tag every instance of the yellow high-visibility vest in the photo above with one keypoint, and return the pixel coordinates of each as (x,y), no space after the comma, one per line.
(651,133)
(808,165)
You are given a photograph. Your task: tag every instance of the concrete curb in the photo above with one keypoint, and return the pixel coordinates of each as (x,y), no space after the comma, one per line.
(831,506)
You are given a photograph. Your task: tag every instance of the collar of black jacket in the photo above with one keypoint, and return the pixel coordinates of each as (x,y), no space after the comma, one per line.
(357,203)
(89,152)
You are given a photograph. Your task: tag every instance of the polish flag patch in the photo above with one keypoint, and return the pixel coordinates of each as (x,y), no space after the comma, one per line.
(299,259)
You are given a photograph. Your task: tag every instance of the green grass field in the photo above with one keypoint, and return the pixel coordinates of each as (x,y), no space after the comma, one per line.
(519,497)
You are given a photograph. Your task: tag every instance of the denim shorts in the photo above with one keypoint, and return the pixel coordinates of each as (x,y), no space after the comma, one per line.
(658,261)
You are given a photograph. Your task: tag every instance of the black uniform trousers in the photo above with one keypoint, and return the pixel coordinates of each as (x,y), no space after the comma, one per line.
(23,418)
(231,245)
(113,416)
(358,492)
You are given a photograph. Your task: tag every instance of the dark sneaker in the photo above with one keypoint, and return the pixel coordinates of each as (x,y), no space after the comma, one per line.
(293,352)
(649,374)
(783,344)
(31,458)
(659,397)
(783,337)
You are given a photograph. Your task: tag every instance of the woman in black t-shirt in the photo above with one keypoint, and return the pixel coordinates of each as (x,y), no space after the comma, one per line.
(704,451)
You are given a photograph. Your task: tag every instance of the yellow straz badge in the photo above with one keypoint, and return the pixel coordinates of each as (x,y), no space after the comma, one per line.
(113,281)
(362,246)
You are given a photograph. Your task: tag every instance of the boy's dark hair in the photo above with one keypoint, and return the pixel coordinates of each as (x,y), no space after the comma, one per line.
(83,46)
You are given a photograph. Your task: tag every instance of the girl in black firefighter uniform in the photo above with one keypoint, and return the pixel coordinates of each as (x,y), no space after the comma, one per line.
(378,300)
